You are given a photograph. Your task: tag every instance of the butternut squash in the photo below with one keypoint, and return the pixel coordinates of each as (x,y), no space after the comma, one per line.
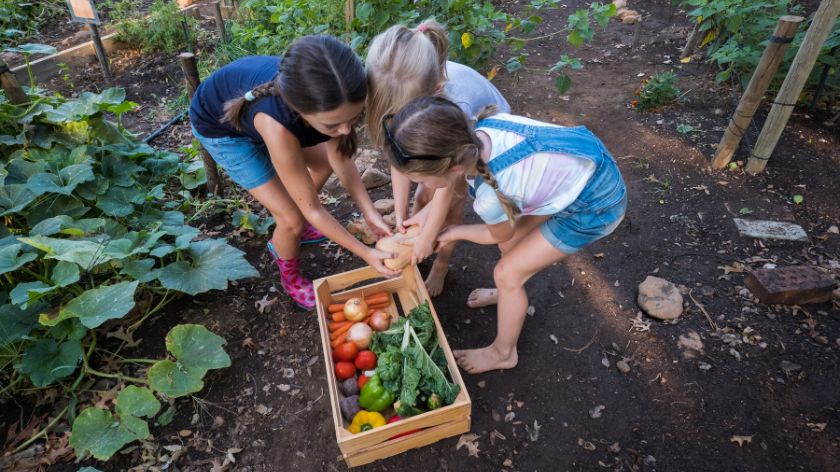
(403,251)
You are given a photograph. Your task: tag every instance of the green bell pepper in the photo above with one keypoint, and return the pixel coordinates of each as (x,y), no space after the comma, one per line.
(374,396)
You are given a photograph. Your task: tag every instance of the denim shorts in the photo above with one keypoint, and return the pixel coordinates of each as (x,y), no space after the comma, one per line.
(582,223)
(245,161)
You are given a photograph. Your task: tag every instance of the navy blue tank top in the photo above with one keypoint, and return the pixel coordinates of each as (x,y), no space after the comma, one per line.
(232,81)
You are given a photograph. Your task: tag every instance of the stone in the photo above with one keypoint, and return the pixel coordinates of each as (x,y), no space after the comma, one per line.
(790,285)
(789,367)
(764,229)
(384,206)
(660,299)
(361,231)
(619,4)
(622,366)
(373,178)
(391,219)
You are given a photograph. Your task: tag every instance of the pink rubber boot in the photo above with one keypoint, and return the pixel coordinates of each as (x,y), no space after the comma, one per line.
(299,288)
(311,235)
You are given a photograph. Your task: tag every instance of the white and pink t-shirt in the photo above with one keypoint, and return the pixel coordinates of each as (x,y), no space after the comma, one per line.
(540,184)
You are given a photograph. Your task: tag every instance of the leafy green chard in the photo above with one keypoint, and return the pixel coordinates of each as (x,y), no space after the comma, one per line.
(411,365)
(91,227)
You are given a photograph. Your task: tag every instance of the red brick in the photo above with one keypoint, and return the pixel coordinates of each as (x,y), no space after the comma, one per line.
(793,285)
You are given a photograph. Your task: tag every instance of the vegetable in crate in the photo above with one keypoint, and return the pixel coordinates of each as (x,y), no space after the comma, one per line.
(375,397)
(349,407)
(344,370)
(411,364)
(365,421)
(365,360)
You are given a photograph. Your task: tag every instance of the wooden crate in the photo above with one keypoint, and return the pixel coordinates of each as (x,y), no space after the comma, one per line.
(409,291)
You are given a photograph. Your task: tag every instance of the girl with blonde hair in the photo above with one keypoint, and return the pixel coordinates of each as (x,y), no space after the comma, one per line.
(403,64)
(543,191)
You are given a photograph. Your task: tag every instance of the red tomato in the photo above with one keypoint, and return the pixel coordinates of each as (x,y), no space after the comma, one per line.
(344,370)
(362,381)
(365,360)
(345,352)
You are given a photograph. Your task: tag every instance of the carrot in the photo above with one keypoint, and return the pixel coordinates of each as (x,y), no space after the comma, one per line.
(337,324)
(335,307)
(339,316)
(373,308)
(378,298)
(337,342)
(340,333)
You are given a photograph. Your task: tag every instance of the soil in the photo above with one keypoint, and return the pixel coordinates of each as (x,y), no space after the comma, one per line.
(724,405)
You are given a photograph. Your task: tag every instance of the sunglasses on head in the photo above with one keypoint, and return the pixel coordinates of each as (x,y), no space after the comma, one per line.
(400,156)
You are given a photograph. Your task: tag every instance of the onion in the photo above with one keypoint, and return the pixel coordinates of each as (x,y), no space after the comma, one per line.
(360,334)
(355,309)
(380,320)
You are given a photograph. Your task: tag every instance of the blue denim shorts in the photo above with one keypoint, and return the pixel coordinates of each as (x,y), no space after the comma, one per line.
(245,161)
(582,223)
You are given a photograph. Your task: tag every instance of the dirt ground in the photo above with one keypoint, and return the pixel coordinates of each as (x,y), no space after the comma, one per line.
(705,393)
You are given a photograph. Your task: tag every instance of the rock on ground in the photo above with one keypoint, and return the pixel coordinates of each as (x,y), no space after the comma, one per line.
(660,299)
(384,206)
(374,177)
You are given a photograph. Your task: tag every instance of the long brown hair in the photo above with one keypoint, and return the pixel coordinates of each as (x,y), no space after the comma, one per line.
(402,64)
(430,127)
(316,74)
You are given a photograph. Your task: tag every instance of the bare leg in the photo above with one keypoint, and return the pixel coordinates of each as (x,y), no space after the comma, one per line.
(455,216)
(481,297)
(288,219)
(532,254)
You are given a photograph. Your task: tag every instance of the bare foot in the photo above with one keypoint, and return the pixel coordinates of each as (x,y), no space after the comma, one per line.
(434,281)
(476,361)
(482,297)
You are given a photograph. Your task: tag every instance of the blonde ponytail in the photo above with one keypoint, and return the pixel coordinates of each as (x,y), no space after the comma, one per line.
(509,207)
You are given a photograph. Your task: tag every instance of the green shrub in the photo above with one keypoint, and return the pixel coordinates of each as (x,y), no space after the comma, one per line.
(161,30)
(657,92)
(19,20)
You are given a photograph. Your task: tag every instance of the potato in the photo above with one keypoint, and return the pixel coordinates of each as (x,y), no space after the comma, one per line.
(390,244)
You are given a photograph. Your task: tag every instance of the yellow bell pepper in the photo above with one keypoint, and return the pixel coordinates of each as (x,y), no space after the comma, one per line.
(366,420)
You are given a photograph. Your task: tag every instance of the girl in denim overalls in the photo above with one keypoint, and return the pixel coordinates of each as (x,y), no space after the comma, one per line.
(543,192)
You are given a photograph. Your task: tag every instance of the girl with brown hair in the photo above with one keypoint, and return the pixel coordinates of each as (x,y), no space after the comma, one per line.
(543,191)
(403,64)
(280,127)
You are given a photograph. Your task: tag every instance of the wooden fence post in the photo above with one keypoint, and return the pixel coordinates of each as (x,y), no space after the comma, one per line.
(11,87)
(773,55)
(190,69)
(794,82)
(349,13)
(220,21)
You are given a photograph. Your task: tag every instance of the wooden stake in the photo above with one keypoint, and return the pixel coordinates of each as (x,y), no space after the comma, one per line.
(692,41)
(791,88)
(349,13)
(637,32)
(100,52)
(190,69)
(220,21)
(773,55)
(11,87)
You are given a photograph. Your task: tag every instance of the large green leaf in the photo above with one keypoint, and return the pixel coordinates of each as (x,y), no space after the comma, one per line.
(86,254)
(137,401)
(33,48)
(140,270)
(20,170)
(174,379)
(46,360)
(213,264)
(64,182)
(97,305)
(55,204)
(135,242)
(15,323)
(11,259)
(14,198)
(64,273)
(119,171)
(197,347)
(120,201)
(97,431)
(25,292)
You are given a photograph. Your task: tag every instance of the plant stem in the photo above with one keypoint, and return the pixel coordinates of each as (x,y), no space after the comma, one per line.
(31,75)
(163,302)
(97,373)
(143,361)
(37,276)
(11,385)
(43,432)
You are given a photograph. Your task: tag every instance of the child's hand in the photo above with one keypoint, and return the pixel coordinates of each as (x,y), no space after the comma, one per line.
(448,235)
(378,225)
(419,218)
(374,257)
(421,247)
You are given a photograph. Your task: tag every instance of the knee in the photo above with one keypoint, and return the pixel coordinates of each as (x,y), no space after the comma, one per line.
(289,225)
(504,276)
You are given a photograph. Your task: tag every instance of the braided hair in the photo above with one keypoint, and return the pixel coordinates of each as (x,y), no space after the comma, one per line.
(439,136)
(316,74)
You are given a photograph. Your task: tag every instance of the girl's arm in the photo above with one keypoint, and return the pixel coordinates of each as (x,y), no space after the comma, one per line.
(402,190)
(479,234)
(346,171)
(287,158)
(424,243)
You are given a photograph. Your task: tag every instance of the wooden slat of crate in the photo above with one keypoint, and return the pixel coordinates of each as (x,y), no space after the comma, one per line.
(375,444)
